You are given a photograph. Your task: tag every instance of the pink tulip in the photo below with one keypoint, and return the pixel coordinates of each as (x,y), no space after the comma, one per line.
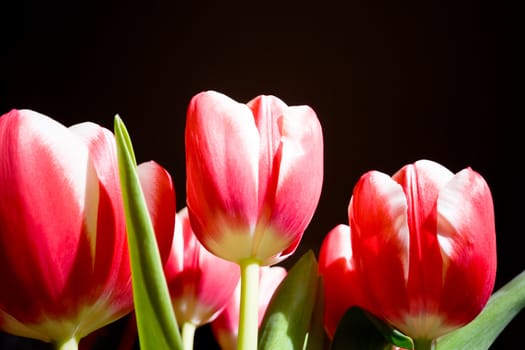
(423,247)
(225,326)
(200,283)
(64,261)
(254,172)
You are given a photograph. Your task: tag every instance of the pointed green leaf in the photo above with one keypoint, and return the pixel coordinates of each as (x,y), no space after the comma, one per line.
(357,331)
(287,319)
(501,308)
(156,323)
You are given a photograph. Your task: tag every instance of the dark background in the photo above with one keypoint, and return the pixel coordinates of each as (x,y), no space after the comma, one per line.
(392,82)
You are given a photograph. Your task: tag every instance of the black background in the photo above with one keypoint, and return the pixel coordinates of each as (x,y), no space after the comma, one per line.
(392,82)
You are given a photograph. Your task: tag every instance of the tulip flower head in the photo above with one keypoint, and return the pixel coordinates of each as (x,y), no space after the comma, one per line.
(200,283)
(254,173)
(423,247)
(64,261)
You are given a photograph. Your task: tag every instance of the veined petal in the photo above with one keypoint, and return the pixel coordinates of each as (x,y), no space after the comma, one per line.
(466,233)
(299,178)
(422,182)
(101,144)
(222,148)
(45,170)
(428,176)
(380,241)
(267,113)
(110,240)
(111,270)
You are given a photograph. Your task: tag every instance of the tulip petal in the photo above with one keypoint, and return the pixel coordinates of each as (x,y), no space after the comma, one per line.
(422,182)
(222,145)
(300,171)
(466,232)
(159,195)
(45,170)
(111,245)
(336,246)
(340,280)
(380,241)
(267,112)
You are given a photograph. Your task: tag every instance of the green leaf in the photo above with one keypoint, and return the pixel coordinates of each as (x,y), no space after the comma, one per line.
(156,323)
(287,318)
(358,330)
(501,308)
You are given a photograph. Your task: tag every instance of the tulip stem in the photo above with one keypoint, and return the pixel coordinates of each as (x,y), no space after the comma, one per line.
(68,344)
(248,311)
(424,344)
(188,335)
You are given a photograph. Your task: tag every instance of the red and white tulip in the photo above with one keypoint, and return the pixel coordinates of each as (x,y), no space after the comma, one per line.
(254,173)
(64,261)
(422,248)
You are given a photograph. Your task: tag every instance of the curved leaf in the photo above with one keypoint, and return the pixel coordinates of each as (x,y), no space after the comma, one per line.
(156,323)
(287,320)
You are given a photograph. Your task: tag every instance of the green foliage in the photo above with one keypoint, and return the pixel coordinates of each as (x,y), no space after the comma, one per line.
(157,326)
(286,323)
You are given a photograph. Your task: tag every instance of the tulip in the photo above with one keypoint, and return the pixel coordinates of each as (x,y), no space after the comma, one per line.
(200,283)
(254,176)
(225,326)
(254,173)
(64,261)
(423,247)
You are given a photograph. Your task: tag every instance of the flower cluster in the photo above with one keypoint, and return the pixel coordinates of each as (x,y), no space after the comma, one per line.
(415,263)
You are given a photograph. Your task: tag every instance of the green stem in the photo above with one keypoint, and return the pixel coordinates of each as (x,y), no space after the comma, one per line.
(68,344)
(248,311)
(424,344)
(188,335)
